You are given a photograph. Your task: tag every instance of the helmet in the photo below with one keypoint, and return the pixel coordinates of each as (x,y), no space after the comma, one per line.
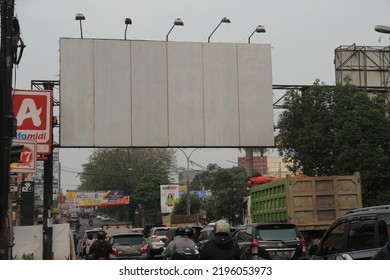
(101,235)
(222,226)
(187,230)
(178,231)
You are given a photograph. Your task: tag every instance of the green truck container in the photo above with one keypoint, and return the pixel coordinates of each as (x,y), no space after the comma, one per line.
(311,203)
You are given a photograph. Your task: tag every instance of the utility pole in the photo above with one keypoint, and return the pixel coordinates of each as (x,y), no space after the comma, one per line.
(48,178)
(48,197)
(48,208)
(7,122)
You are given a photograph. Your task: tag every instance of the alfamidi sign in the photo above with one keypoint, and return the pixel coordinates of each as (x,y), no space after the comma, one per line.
(34,114)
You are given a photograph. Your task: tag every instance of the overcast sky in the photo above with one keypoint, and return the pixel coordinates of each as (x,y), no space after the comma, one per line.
(303,35)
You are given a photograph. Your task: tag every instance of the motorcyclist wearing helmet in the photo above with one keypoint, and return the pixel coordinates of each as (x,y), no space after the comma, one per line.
(222,246)
(166,254)
(182,246)
(100,248)
(90,221)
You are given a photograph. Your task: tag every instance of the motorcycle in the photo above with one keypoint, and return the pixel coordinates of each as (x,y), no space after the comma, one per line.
(186,254)
(92,257)
(90,222)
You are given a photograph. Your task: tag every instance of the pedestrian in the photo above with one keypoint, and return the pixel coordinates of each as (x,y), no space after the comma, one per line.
(222,246)
(383,253)
(100,248)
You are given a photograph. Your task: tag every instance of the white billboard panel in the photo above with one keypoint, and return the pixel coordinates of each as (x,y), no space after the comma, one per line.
(112,80)
(185,94)
(149,93)
(255,105)
(77,93)
(221,95)
(117,93)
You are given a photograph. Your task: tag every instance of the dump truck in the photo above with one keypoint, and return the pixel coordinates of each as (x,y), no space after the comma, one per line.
(311,203)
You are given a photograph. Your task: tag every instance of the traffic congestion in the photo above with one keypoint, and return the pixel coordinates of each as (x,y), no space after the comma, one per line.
(359,234)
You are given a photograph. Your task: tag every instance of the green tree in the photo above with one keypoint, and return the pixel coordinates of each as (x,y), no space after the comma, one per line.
(123,168)
(181,206)
(204,179)
(228,191)
(146,196)
(337,131)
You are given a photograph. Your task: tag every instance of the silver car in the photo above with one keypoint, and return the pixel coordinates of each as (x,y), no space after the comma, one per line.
(128,246)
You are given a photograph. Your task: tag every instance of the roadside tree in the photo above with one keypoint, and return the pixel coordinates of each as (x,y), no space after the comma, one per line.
(338,130)
(146,196)
(228,191)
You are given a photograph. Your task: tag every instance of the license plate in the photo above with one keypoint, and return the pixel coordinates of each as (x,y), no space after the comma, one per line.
(281,254)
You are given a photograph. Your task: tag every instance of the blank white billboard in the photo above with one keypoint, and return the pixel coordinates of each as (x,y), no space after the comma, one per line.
(119,93)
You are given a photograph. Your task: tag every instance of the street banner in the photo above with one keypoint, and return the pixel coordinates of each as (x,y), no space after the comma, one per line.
(98,198)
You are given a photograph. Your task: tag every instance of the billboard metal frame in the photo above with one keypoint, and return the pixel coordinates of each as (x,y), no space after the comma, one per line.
(365,66)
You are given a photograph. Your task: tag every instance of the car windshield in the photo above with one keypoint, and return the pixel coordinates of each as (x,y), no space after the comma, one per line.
(283,234)
(127,240)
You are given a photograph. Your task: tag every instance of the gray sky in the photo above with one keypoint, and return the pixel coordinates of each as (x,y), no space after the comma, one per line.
(303,35)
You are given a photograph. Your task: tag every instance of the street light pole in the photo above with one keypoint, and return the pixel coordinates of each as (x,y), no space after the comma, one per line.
(127,22)
(177,22)
(224,20)
(259,29)
(382,29)
(80,17)
(188,180)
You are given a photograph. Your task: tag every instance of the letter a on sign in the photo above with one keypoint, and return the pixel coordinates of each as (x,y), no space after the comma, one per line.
(34,113)
(28,110)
